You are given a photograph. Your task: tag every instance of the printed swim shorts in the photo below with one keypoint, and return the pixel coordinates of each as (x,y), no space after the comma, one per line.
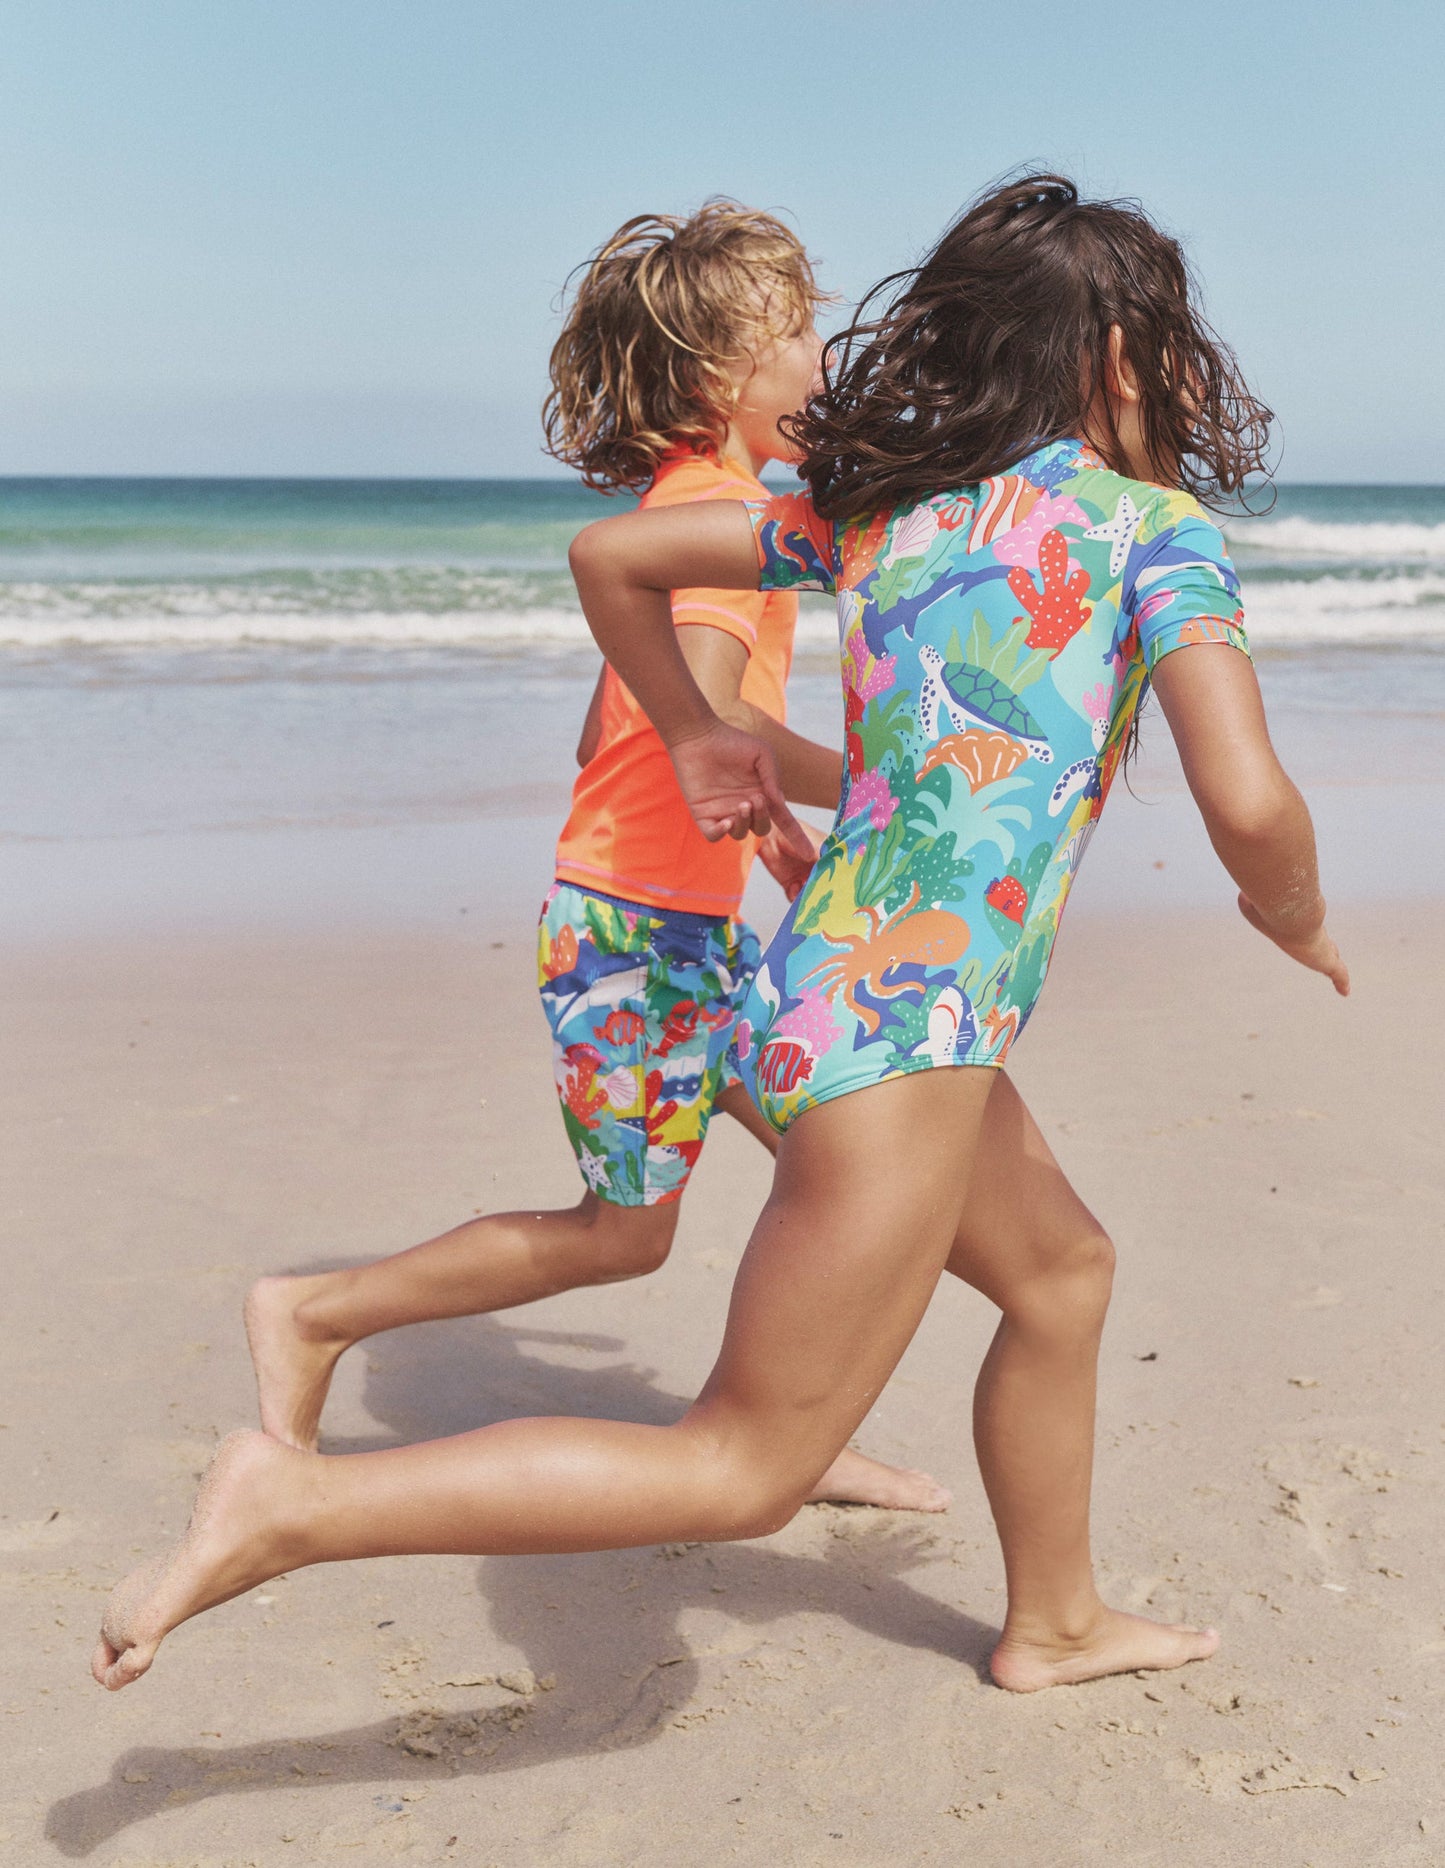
(642,1002)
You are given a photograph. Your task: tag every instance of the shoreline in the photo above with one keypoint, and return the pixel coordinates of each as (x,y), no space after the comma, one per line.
(436,797)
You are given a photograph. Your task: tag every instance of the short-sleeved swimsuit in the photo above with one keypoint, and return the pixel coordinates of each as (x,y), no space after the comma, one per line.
(996,643)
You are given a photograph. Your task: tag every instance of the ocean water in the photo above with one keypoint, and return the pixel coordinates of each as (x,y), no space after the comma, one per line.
(225,699)
(264,567)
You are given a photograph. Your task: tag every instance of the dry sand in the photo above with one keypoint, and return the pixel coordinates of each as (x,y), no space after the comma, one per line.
(183,1114)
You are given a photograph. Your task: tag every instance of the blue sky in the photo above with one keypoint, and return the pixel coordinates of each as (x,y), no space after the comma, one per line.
(326,236)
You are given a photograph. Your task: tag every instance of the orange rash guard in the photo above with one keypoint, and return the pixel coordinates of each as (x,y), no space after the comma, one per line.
(629,833)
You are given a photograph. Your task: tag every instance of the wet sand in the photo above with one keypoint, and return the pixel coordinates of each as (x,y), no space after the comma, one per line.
(186,1111)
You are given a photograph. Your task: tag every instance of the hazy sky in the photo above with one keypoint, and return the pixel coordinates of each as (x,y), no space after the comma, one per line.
(326,236)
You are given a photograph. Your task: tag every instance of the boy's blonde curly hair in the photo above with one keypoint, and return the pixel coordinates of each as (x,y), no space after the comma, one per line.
(662,308)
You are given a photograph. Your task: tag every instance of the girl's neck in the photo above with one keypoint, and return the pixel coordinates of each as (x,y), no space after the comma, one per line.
(1127,448)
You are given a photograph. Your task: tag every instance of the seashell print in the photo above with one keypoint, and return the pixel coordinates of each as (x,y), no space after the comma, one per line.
(912,536)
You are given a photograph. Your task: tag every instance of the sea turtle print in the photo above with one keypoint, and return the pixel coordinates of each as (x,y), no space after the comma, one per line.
(976,698)
(996,642)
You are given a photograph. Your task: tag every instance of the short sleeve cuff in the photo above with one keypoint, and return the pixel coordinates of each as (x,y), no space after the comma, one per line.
(792,543)
(1191,632)
(733,621)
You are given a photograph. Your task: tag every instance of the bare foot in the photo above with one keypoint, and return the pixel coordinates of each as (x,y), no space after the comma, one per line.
(293,1364)
(854,1479)
(1117,1643)
(231,1543)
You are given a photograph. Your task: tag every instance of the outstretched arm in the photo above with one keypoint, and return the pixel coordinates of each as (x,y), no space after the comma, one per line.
(1257,821)
(625,569)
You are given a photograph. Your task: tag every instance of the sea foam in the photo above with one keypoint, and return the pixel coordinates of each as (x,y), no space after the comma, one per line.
(270,570)
(1280,613)
(1370,542)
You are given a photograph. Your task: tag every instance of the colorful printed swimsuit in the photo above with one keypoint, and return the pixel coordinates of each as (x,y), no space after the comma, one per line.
(996,643)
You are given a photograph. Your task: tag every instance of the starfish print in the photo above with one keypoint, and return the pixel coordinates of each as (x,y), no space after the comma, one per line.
(1119,531)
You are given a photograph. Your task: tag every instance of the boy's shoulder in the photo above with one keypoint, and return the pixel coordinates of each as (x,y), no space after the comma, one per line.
(684,476)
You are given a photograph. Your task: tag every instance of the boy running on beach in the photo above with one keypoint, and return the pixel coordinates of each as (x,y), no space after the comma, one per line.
(686,344)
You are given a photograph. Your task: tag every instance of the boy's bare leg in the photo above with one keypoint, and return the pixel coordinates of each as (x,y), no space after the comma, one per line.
(1030,1244)
(839,1270)
(734,1101)
(299,1328)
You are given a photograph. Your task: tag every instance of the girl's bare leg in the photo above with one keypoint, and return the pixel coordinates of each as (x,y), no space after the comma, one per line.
(1031,1245)
(864,1210)
(853,1478)
(299,1328)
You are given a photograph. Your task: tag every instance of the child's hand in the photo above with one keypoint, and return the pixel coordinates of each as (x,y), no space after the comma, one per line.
(730,784)
(784,864)
(1317,950)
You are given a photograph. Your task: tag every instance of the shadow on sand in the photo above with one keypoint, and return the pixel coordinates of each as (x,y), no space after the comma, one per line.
(623,1667)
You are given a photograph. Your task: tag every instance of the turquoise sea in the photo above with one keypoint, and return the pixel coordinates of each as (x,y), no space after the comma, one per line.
(270,565)
(229,660)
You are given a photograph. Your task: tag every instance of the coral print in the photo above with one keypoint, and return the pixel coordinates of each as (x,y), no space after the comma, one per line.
(996,641)
(1058,613)
(1022,544)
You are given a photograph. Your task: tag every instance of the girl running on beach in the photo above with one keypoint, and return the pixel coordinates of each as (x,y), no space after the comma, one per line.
(995,465)
(685,345)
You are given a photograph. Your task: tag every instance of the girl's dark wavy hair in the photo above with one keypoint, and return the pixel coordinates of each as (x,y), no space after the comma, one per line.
(998,342)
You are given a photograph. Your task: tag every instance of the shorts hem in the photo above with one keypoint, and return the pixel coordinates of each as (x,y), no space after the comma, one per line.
(834,1090)
(670,1198)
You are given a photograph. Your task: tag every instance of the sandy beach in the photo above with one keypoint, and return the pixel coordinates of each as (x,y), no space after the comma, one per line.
(196,1109)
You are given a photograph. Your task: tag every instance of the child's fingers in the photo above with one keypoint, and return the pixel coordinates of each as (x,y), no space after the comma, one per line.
(730,781)
(1317,951)
(790,832)
(748,818)
(796,839)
